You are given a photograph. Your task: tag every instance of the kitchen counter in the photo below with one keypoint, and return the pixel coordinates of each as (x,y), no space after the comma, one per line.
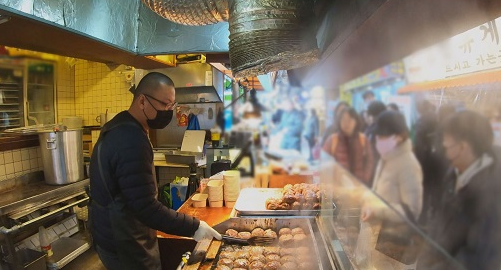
(163,163)
(36,194)
(211,215)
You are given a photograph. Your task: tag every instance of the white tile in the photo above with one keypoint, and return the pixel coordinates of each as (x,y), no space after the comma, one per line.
(2,170)
(9,169)
(26,165)
(8,157)
(33,153)
(18,167)
(16,154)
(34,164)
(2,159)
(25,154)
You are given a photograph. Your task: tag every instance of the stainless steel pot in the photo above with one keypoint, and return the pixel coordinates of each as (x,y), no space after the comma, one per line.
(62,156)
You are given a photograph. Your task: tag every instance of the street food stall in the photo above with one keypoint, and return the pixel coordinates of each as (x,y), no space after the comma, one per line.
(329,237)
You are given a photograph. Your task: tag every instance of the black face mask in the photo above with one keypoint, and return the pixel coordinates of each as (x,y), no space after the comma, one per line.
(162,119)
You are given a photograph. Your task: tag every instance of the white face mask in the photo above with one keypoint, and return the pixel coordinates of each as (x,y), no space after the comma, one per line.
(384,146)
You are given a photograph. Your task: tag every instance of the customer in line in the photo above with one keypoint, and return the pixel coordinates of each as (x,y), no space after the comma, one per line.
(291,126)
(350,148)
(467,224)
(398,182)
(334,127)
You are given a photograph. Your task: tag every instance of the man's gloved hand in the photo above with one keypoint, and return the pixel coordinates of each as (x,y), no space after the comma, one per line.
(205,231)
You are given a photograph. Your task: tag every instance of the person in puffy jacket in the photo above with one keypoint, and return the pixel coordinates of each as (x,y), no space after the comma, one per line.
(350,147)
(124,212)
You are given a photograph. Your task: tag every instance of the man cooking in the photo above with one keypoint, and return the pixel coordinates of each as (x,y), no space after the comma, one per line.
(125,213)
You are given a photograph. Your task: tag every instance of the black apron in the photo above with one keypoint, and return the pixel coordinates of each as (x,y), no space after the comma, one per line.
(136,244)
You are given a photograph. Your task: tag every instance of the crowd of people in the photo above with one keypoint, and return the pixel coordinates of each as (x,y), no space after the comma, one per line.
(443,173)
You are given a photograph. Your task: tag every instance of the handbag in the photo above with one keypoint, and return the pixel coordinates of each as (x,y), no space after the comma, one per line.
(398,240)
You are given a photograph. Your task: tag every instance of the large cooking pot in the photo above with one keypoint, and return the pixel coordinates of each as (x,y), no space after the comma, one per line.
(62,156)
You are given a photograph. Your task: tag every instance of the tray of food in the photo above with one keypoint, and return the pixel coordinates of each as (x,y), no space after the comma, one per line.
(292,200)
(295,248)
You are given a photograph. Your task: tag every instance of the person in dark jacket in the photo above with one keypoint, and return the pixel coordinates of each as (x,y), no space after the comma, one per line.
(432,161)
(467,223)
(125,212)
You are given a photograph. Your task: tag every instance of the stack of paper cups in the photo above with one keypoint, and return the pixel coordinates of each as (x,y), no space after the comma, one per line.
(215,193)
(231,187)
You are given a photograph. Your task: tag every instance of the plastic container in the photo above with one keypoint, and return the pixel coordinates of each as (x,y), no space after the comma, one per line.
(216,203)
(199,200)
(215,190)
(229,204)
(231,185)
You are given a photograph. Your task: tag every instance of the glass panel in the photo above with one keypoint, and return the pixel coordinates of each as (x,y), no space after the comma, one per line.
(388,240)
(11,95)
(41,94)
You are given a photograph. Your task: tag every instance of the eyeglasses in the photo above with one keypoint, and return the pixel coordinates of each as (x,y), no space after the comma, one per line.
(168,106)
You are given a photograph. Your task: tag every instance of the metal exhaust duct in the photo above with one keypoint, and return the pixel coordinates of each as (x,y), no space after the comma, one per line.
(265,35)
(190,12)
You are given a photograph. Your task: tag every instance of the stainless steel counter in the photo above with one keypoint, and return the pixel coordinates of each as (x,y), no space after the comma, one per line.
(38,195)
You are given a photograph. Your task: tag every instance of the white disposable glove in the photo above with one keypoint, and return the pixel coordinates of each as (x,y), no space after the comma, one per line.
(205,231)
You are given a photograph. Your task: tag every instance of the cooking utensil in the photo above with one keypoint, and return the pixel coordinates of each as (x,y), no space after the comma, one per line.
(253,241)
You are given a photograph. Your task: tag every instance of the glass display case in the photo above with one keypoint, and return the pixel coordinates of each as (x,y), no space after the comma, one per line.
(390,239)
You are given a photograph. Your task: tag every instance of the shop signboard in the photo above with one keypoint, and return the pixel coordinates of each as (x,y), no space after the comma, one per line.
(393,70)
(477,49)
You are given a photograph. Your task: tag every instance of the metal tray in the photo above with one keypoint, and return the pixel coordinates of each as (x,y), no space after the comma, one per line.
(248,224)
(252,202)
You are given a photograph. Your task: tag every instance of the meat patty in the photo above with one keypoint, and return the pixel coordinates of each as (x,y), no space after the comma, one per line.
(244,235)
(297,230)
(257,232)
(270,233)
(231,233)
(284,231)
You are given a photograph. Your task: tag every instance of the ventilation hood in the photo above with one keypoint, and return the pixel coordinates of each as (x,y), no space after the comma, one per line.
(195,83)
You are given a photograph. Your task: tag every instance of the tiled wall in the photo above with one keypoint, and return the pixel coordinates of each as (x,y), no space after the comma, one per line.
(99,87)
(15,163)
(65,90)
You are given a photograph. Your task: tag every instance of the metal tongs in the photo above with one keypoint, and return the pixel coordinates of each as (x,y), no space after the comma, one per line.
(253,241)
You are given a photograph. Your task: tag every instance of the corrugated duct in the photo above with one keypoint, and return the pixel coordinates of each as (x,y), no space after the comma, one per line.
(190,12)
(265,35)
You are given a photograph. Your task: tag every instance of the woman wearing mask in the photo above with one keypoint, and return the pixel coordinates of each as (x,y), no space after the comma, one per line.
(398,181)
(350,148)
(468,221)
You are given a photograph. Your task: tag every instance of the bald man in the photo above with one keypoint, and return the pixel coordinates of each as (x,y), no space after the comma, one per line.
(125,213)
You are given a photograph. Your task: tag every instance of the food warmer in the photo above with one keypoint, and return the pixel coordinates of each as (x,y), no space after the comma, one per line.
(335,236)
